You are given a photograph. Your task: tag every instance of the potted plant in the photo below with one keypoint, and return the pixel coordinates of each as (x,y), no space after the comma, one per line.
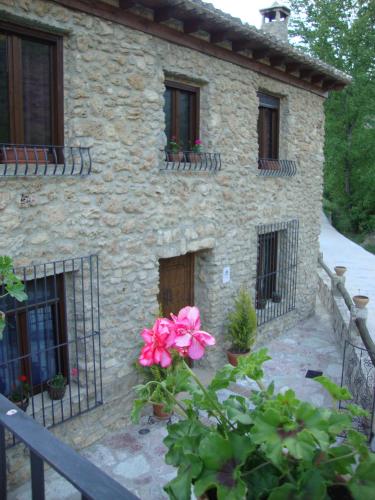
(175,152)
(20,393)
(168,345)
(360,301)
(276,297)
(241,327)
(56,386)
(340,270)
(195,154)
(265,445)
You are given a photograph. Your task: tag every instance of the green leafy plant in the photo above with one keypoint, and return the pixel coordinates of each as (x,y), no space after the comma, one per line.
(58,381)
(267,445)
(10,285)
(161,386)
(174,146)
(21,391)
(242,323)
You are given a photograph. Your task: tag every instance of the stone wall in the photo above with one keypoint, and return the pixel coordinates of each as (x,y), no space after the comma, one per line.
(131,213)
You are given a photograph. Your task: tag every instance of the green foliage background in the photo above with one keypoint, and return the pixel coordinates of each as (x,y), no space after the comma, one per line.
(342,33)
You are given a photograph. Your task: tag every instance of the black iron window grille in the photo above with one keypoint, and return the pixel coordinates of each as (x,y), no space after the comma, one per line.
(271,167)
(55,331)
(276,279)
(23,160)
(192,162)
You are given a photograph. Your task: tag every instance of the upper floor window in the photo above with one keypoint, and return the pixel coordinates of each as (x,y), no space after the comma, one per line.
(268,126)
(30,87)
(181,108)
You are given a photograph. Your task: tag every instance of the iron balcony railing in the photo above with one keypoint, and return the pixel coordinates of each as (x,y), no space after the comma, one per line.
(270,167)
(55,331)
(44,447)
(24,160)
(192,162)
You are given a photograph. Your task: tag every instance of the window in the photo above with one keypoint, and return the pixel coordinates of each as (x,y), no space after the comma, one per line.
(35,335)
(276,269)
(181,107)
(268,127)
(30,87)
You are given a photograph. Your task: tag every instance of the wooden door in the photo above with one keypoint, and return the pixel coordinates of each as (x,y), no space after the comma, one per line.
(176,289)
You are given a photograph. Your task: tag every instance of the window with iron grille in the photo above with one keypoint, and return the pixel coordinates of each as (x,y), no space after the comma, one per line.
(276,269)
(56,330)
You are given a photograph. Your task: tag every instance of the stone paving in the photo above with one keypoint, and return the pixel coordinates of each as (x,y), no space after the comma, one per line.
(137,460)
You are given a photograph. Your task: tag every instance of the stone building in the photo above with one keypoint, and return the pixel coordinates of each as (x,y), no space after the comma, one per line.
(103,88)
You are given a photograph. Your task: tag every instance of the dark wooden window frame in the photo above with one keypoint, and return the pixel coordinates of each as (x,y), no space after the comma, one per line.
(195,118)
(274,105)
(59,326)
(14,33)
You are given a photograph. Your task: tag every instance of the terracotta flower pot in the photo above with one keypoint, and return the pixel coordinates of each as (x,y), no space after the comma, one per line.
(361,301)
(56,393)
(158,410)
(340,270)
(195,158)
(233,356)
(176,157)
(24,155)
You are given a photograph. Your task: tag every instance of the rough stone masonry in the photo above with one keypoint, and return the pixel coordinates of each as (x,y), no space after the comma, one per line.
(132,214)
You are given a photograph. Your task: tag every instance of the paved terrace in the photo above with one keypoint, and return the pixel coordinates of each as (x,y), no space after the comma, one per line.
(136,460)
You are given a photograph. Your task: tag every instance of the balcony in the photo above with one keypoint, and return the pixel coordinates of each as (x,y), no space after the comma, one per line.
(269,167)
(24,160)
(188,161)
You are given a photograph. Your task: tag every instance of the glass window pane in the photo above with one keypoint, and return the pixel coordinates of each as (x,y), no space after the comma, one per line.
(42,341)
(37,101)
(168,113)
(184,119)
(9,350)
(4,95)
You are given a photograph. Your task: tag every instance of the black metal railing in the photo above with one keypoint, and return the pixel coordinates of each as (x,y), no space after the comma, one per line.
(23,160)
(276,279)
(358,374)
(277,168)
(55,331)
(192,162)
(44,447)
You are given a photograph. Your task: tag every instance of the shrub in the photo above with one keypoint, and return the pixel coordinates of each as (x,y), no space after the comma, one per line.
(242,323)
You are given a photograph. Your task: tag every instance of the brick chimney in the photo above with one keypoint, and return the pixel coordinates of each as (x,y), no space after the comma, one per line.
(275,21)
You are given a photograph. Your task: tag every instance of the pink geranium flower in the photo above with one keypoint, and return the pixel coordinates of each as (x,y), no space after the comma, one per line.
(188,335)
(158,342)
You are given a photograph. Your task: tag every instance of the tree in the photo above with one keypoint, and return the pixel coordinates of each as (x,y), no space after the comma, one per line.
(342,33)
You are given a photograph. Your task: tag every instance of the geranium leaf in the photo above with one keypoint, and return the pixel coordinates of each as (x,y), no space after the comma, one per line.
(302,446)
(312,486)
(362,485)
(336,392)
(214,450)
(285,492)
